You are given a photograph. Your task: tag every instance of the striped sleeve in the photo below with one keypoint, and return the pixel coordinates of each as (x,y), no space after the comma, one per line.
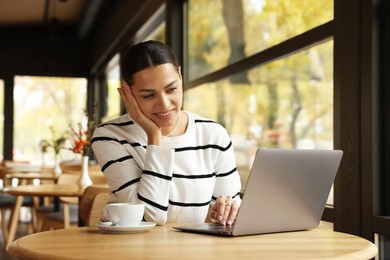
(155,183)
(228,182)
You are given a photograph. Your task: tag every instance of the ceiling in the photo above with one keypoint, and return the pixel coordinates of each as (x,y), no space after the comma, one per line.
(40,12)
(66,37)
(80,15)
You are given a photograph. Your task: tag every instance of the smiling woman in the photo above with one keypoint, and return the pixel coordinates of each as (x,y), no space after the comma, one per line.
(180,165)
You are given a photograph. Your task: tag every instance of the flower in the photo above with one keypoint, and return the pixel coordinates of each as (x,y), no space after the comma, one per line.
(82,136)
(56,142)
(79,140)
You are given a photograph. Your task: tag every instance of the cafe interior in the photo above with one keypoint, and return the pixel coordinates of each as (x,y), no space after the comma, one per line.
(281,74)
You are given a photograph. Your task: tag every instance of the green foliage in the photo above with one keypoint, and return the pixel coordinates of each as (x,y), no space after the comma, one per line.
(41,103)
(57,142)
(287,100)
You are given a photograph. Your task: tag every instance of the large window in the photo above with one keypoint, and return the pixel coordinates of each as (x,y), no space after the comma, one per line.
(42,103)
(280,98)
(287,103)
(222,32)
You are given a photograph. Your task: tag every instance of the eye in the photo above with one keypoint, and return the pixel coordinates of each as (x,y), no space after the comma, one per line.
(171,89)
(147,96)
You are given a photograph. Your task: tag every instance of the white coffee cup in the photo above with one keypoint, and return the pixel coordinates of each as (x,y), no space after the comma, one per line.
(124,214)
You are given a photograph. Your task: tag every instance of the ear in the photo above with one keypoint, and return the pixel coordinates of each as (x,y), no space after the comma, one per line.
(179,72)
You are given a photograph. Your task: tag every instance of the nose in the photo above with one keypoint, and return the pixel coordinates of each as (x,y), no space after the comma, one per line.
(164,101)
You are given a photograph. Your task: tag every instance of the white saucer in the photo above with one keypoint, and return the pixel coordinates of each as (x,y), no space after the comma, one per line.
(108,227)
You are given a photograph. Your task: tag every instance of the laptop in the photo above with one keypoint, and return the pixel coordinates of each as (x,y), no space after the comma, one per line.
(287,190)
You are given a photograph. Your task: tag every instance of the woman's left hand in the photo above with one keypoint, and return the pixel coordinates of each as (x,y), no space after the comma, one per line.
(225,210)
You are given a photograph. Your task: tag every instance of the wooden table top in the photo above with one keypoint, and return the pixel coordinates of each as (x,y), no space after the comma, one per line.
(49,190)
(163,242)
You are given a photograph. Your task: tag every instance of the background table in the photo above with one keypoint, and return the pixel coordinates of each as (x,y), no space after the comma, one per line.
(32,176)
(45,190)
(162,242)
(17,169)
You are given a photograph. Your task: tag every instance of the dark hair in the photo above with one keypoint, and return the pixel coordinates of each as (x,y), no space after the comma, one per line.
(144,55)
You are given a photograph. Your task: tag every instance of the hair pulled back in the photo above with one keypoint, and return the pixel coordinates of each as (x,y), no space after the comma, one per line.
(144,55)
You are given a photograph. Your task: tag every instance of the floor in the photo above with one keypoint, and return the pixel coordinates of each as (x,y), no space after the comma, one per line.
(23,229)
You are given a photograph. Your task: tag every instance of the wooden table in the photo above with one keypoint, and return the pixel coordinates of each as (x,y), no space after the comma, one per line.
(162,242)
(31,176)
(23,169)
(45,190)
(20,167)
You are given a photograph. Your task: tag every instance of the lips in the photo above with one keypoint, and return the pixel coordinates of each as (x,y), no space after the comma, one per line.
(164,115)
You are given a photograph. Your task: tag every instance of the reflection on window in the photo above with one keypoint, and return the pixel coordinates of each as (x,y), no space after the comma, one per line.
(158,34)
(41,103)
(113,80)
(287,103)
(1,119)
(221,32)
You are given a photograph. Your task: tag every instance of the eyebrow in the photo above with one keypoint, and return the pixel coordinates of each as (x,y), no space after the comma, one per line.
(152,90)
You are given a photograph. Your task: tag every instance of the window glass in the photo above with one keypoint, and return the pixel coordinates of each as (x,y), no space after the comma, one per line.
(154,28)
(1,119)
(223,32)
(41,103)
(158,34)
(287,103)
(113,80)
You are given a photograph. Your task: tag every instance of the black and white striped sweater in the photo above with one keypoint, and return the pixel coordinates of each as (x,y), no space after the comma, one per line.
(177,182)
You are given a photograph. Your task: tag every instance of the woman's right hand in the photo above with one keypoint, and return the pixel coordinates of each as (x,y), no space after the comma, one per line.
(152,130)
(224,210)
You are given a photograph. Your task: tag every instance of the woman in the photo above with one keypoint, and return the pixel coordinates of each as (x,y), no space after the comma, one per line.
(180,165)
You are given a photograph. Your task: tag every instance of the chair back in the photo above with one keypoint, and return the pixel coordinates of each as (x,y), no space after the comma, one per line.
(96,211)
(97,177)
(90,203)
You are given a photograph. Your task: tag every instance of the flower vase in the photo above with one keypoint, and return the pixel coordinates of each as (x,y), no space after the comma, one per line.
(84,179)
(57,168)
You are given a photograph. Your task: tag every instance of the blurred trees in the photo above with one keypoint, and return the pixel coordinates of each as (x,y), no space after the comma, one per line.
(291,97)
(41,103)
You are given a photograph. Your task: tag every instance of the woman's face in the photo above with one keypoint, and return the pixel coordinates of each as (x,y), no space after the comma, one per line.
(159,92)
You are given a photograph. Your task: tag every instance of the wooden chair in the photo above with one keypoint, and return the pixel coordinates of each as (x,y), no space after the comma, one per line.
(92,203)
(96,211)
